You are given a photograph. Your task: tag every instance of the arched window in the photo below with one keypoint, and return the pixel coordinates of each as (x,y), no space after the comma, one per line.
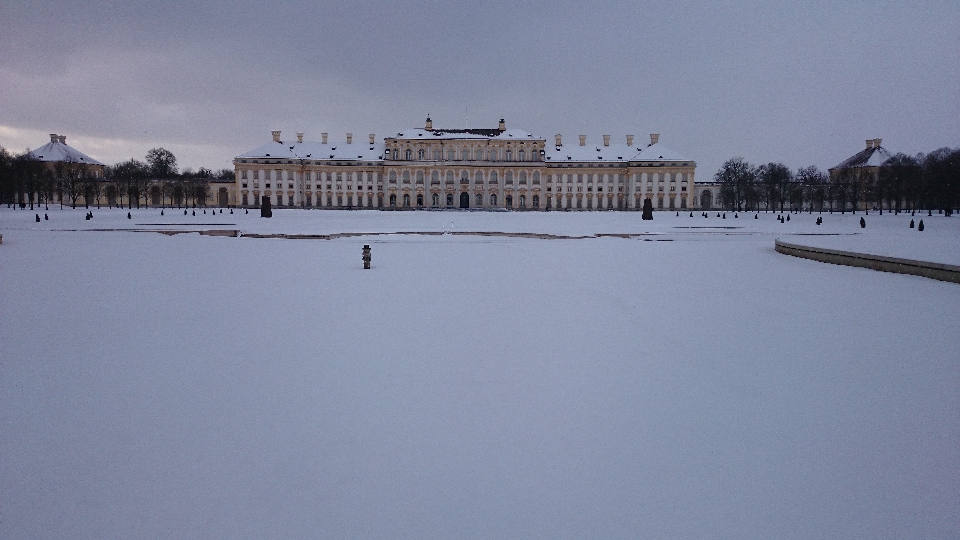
(408,155)
(393,200)
(396,153)
(493,177)
(521,156)
(420,154)
(508,178)
(478,154)
(509,155)
(522,200)
(479,202)
(393,177)
(420,176)
(508,201)
(406,177)
(449,177)
(451,154)
(419,200)
(536,177)
(465,154)
(494,154)
(449,199)
(536,201)
(435,199)
(464,177)
(493,199)
(437,156)
(435,177)
(478,177)
(406,200)
(523,176)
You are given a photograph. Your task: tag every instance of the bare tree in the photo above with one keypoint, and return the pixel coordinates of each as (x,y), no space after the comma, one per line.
(736,178)
(814,186)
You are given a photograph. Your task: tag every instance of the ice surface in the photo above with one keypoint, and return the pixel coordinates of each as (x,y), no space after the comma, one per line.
(470,386)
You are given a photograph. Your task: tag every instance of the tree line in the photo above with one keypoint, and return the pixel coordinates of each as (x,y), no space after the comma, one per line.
(903,183)
(25,181)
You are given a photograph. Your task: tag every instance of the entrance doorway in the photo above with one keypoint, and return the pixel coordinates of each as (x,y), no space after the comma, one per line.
(464,200)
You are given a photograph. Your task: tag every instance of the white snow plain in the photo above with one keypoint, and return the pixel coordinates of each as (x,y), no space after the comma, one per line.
(700,386)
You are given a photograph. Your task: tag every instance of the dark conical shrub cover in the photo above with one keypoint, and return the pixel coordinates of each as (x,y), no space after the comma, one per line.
(911,223)
(920,225)
(863,223)
(647,209)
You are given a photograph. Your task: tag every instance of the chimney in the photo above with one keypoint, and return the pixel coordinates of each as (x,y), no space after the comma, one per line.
(323,138)
(503,126)
(373,138)
(876,143)
(654,137)
(62,139)
(53,137)
(276,135)
(349,138)
(558,140)
(428,125)
(299,136)
(869,144)
(606,140)
(583,140)
(629,140)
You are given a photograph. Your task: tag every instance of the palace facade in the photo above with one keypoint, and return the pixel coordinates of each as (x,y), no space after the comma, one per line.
(465,168)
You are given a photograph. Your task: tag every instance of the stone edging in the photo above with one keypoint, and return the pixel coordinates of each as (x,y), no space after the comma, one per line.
(942,272)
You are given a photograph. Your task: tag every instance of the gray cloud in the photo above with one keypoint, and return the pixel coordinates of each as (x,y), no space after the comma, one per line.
(803,83)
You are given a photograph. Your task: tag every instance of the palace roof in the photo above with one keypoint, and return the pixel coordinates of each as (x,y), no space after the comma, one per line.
(460,134)
(598,153)
(873,156)
(355,151)
(57,150)
(312,150)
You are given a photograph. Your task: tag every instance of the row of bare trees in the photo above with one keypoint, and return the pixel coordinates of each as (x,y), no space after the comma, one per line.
(903,183)
(26,182)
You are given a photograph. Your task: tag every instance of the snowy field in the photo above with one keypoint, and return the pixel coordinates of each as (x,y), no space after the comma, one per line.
(682,381)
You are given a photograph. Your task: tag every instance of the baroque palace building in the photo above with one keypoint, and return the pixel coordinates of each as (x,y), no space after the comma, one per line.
(465,168)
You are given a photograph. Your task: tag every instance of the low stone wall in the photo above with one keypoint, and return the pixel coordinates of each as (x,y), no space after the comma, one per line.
(942,272)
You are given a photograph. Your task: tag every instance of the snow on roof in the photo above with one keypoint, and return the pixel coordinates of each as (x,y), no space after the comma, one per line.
(475,134)
(62,152)
(341,151)
(870,157)
(598,153)
(336,150)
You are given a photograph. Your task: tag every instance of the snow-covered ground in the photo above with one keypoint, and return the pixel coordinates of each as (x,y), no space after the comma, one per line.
(473,386)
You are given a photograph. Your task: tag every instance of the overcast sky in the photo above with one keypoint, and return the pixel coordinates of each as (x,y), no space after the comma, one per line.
(801,82)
